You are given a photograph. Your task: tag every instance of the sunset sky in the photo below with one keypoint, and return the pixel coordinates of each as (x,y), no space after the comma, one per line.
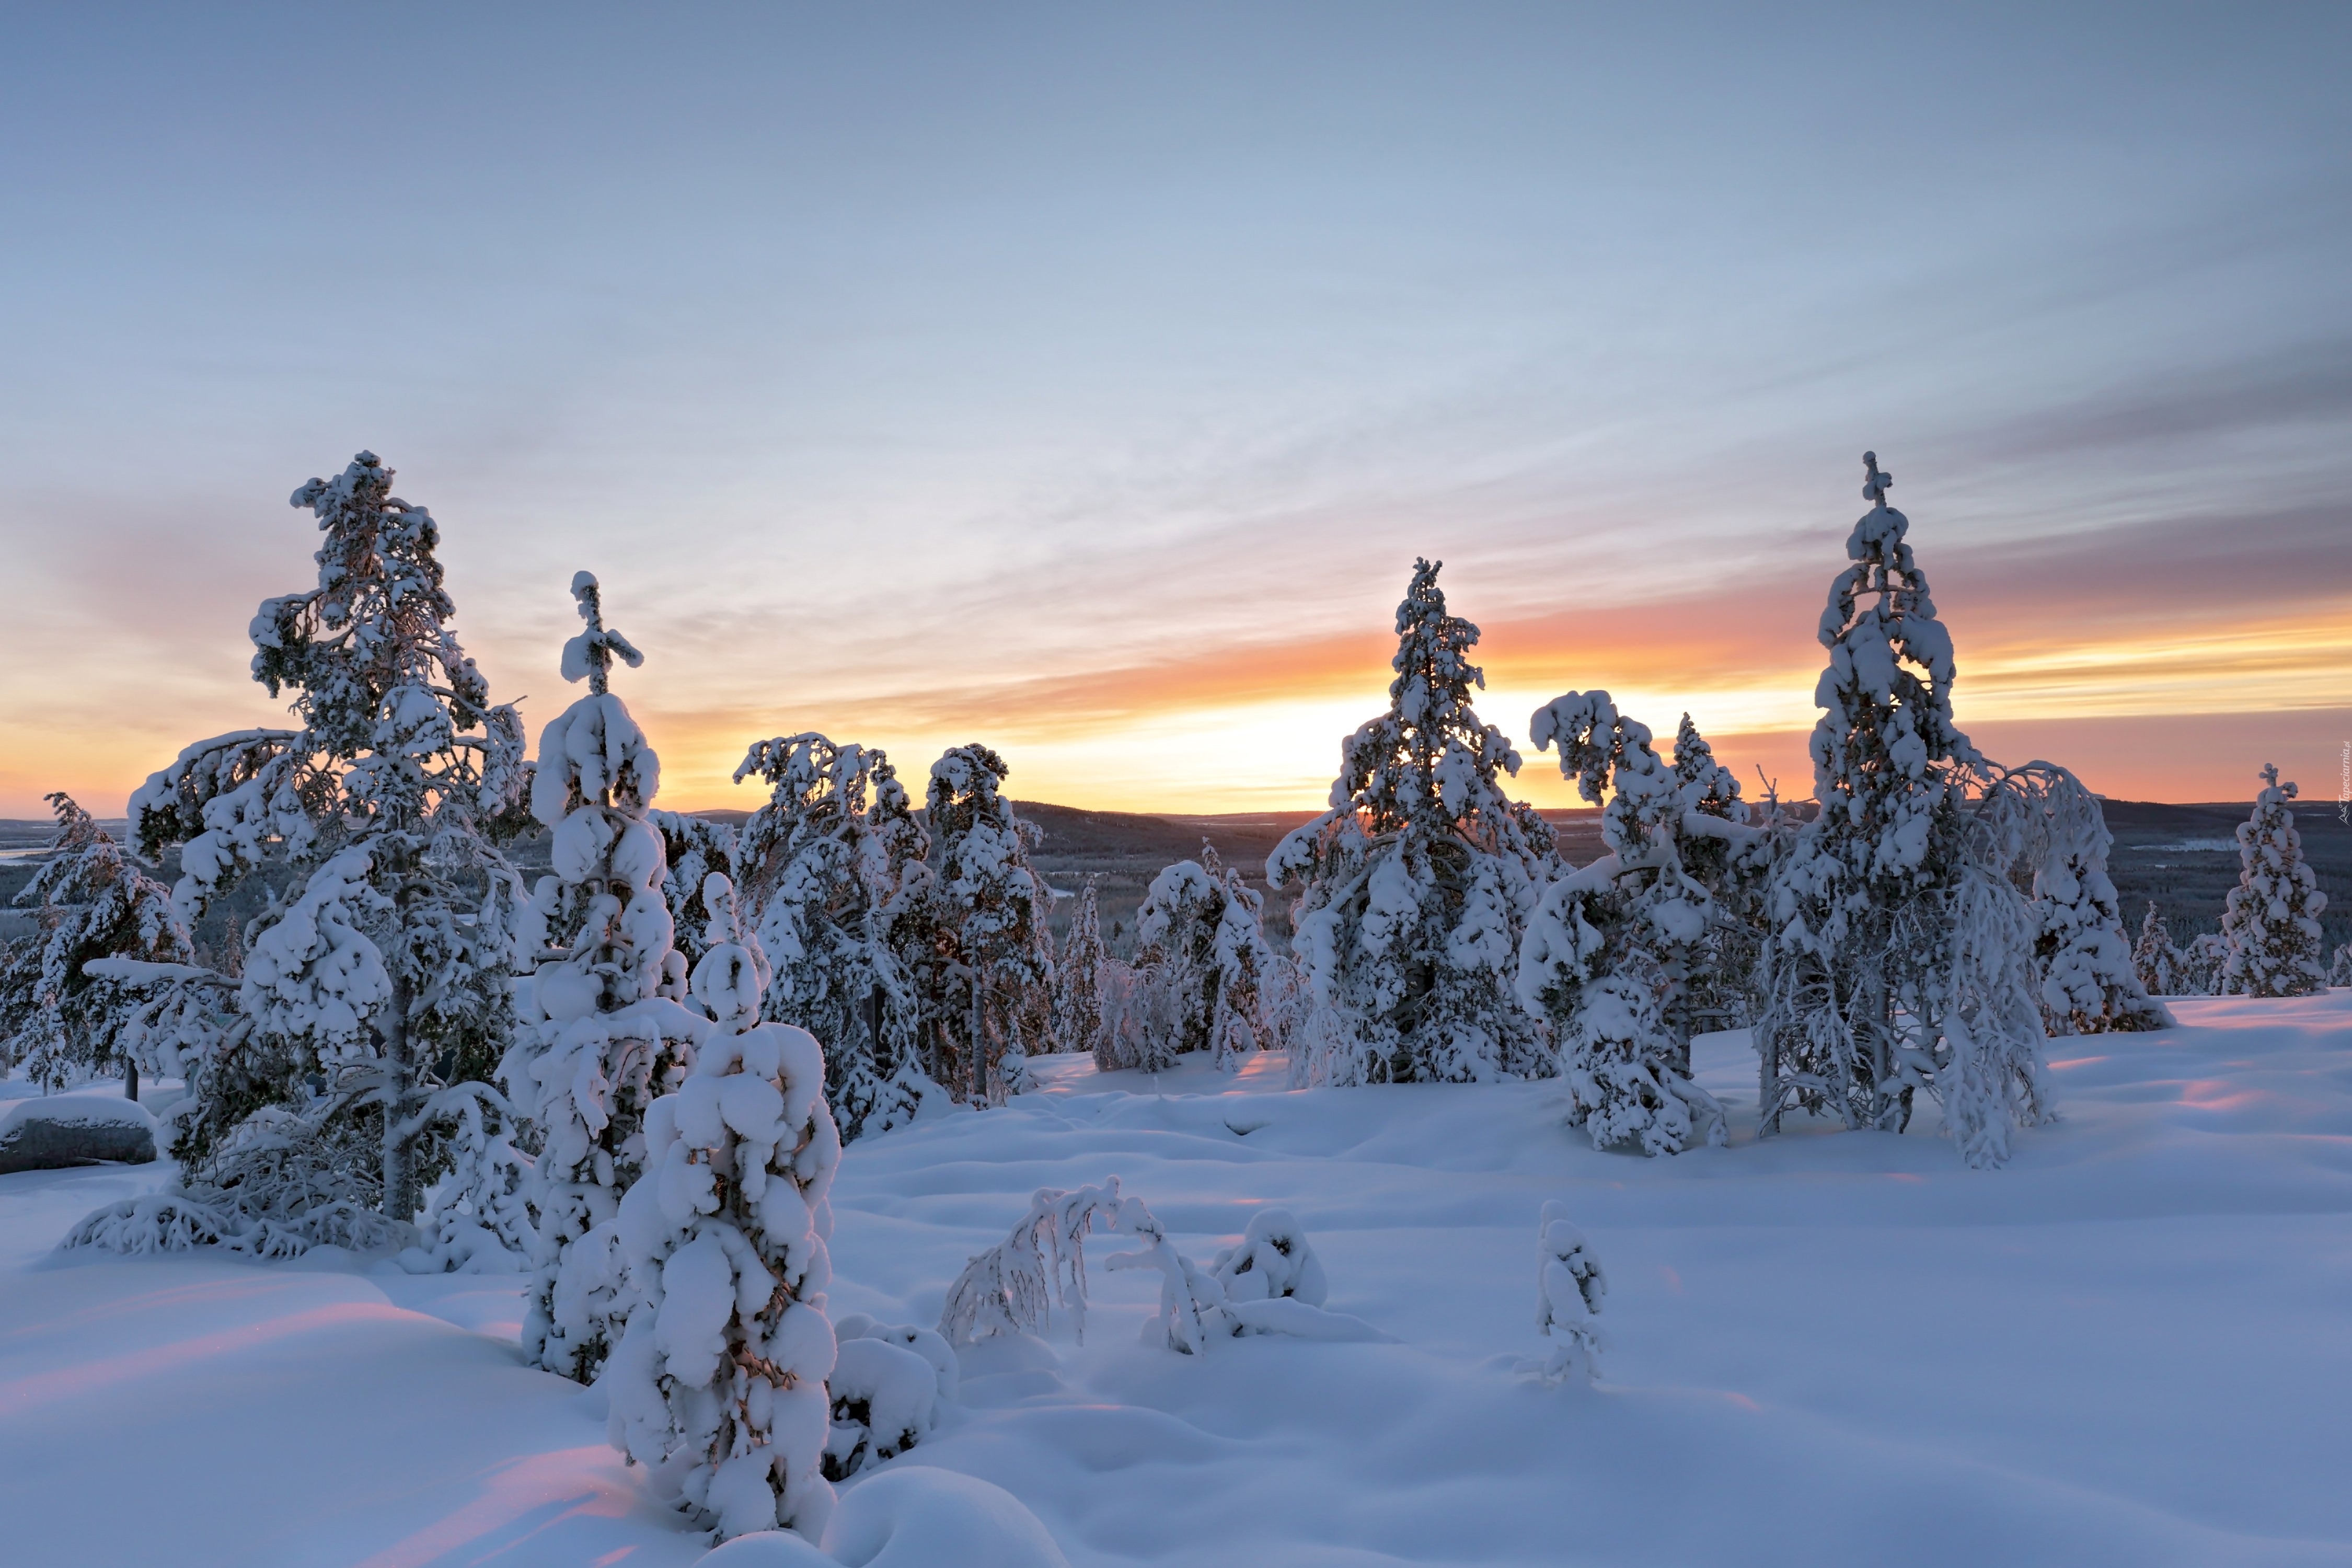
(1085,380)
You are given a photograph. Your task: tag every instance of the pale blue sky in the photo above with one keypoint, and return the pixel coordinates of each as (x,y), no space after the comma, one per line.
(887,363)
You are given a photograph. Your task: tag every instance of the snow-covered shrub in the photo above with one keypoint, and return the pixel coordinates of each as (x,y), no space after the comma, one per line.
(1013,1287)
(2271,920)
(2160,966)
(477,1216)
(383,976)
(1615,954)
(1272,1262)
(1413,888)
(602,1033)
(1570,1287)
(826,865)
(885,1398)
(998,966)
(717,1385)
(2340,972)
(1901,957)
(60,1021)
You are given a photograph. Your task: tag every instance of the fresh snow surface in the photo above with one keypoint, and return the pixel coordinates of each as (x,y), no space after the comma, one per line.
(2127,1347)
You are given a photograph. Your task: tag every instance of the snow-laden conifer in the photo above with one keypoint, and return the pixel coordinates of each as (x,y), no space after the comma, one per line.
(1569,1288)
(1615,952)
(718,1383)
(1901,959)
(1201,938)
(2340,972)
(92,901)
(2272,919)
(828,864)
(602,1033)
(2085,962)
(382,975)
(2204,964)
(1412,890)
(2161,967)
(999,952)
(1077,981)
(478,1217)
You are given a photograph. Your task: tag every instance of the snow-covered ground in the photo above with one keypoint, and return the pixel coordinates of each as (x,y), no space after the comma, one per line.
(2128,1347)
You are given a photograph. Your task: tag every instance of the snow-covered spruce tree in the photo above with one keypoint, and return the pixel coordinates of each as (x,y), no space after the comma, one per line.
(601,1034)
(825,865)
(59,1023)
(383,976)
(717,1385)
(1077,980)
(2082,957)
(2340,972)
(476,1217)
(1569,1288)
(2272,919)
(1901,957)
(1002,945)
(1412,890)
(2204,964)
(1200,939)
(1618,955)
(2161,967)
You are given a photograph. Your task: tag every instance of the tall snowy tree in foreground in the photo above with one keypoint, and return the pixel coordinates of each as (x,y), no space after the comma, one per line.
(1616,953)
(2271,920)
(717,1385)
(383,976)
(1413,888)
(93,901)
(602,1031)
(1901,960)
(827,865)
(996,906)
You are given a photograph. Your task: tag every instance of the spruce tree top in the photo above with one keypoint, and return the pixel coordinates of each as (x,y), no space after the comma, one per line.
(376,625)
(1886,694)
(1430,761)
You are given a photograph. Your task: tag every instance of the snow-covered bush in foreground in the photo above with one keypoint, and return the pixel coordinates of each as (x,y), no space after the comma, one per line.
(604,1032)
(2272,923)
(476,1217)
(888,1383)
(1012,1286)
(1569,1287)
(1412,890)
(717,1385)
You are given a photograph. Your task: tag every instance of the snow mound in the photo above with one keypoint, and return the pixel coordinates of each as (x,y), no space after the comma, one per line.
(918,1517)
(767,1548)
(62,1130)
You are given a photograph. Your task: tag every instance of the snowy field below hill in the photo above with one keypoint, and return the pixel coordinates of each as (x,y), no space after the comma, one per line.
(2128,1347)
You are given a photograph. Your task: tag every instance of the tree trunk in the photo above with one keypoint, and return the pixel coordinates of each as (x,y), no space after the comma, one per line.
(129,1079)
(979,1045)
(399,1168)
